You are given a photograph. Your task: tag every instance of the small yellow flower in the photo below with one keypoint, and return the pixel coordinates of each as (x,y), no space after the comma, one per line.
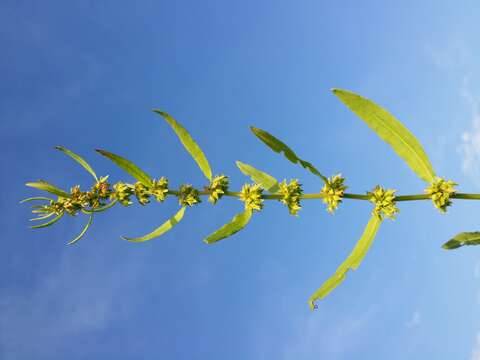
(217,188)
(440,191)
(252,196)
(333,191)
(142,194)
(188,195)
(291,194)
(122,193)
(384,201)
(159,189)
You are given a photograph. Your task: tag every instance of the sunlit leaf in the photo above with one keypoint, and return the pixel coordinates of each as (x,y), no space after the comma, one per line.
(42,217)
(129,167)
(463,239)
(261,178)
(352,262)
(84,230)
(102,208)
(189,144)
(238,222)
(278,146)
(45,186)
(78,159)
(51,222)
(390,130)
(162,229)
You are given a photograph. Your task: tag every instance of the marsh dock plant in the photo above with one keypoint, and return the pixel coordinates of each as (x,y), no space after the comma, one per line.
(103,195)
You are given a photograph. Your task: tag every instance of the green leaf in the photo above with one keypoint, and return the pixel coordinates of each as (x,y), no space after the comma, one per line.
(352,262)
(238,222)
(278,146)
(43,217)
(35,198)
(162,229)
(78,159)
(129,167)
(390,130)
(463,239)
(51,222)
(84,230)
(189,144)
(45,186)
(266,181)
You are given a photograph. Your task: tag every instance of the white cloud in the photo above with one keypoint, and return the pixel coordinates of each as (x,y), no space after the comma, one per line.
(414,320)
(476,348)
(469,148)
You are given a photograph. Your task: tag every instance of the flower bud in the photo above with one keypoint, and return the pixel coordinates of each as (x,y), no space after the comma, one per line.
(187,195)
(159,189)
(217,188)
(122,193)
(291,195)
(141,192)
(333,191)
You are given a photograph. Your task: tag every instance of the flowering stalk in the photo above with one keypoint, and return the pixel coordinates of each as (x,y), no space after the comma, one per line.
(102,195)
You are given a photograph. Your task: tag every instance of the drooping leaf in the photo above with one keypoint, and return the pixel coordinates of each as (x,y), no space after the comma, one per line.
(43,217)
(129,167)
(162,229)
(189,144)
(261,178)
(463,239)
(84,230)
(35,198)
(78,159)
(280,147)
(352,262)
(238,222)
(51,222)
(45,186)
(390,130)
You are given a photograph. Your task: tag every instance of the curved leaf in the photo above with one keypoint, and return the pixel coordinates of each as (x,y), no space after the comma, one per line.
(189,144)
(84,230)
(390,130)
(45,186)
(266,181)
(238,222)
(43,217)
(78,159)
(129,167)
(35,198)
(463,239)
(51,222)
(278,146)
(162,229)
(352,262)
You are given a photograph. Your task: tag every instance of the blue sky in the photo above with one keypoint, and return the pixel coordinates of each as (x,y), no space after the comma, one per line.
(86,74)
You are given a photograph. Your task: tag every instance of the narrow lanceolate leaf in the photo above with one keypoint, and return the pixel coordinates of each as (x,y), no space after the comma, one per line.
(78,159)
(51,222)
(261,178)
(278,146)
(189,144)
(45,186)
(390,130)
(352,262)
(238,222)
(162,229)
(35,198)
(84,230)
(129,167)
(463,239)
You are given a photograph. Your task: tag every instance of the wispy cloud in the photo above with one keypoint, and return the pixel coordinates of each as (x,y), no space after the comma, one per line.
(414,320)
(469,148)
(476,348)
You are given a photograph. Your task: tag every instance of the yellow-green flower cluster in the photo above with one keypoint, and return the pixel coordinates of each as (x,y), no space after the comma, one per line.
(122,192)
(440,190)
(384,201)
(291,194)
(217,188)
(187,195)
(251,194)
(333,191)
(159,189)
(142,193)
